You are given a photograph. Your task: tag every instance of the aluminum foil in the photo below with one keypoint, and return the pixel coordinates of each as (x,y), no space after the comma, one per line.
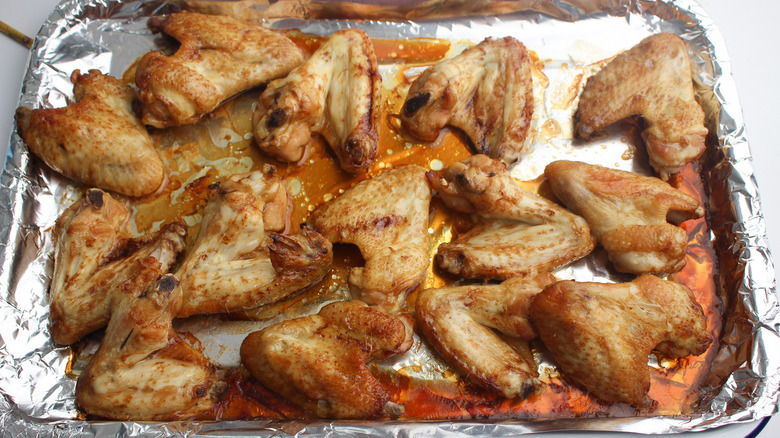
(38,396)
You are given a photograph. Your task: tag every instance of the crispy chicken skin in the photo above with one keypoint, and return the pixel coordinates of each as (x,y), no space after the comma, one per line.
(219,57)
(653,79)
(517,232)
(143,371)
(387,218)
(234,264)
(601,334)
(461,323)
(486,91)
(628,213)
(318,362)
(93,255)
(335,93)
(98,140)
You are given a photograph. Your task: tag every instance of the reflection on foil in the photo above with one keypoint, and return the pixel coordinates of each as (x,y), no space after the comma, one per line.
(571,39)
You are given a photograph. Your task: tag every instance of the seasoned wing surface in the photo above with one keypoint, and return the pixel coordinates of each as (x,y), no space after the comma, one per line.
(517,233)
(387,218)
(98,140)
(233,264)
(460,322)
(628,213)
(319,362)
(335,93)
(486,91)
(93,256)
(143,370)
(602,334)
(218,57)
(653,79)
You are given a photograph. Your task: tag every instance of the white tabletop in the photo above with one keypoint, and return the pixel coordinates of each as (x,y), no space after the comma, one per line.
(750,30)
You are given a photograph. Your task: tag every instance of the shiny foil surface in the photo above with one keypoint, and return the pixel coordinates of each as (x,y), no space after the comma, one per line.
(729,264)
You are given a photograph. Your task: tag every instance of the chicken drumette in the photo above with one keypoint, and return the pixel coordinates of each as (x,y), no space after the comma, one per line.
(319,362)
(628,213)
(335,93)
(218,57)
(517,232)
(98,140)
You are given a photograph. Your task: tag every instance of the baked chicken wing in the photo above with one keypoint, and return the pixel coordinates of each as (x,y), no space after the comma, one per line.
(97,140)
(234,264)
(218,57)
(387,218)
(628,213)
(653,79)
(143,371)
(517,232)
(335,93)
(486,91)
(601,334)
(93,255)
(318,362)
(461,322)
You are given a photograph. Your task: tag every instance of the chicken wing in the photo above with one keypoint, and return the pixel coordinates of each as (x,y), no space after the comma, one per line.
(335,93)
(143,371)
(233,264)
(601,334)
(93,254)
(486,91)
(98,140)
(218,57)
(628,213)
(318,362)
(387,218)
(460,321)
(653,79)
(517,232)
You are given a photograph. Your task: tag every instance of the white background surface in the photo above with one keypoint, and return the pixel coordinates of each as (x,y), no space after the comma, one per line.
(750,29)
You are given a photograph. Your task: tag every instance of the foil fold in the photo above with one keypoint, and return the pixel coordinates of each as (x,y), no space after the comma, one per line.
(37,395)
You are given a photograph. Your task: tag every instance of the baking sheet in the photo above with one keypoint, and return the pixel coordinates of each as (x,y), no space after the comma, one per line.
(38,397)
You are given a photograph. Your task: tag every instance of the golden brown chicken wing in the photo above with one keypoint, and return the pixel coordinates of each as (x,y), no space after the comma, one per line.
(98,140)
(601,334)
(335,93)
(486,91)
(653,79)
(93,256)
(233,264)
(517,232)
(387,218)
(143,370)
(218,57)
(318,362)
(460,322)
(628,213)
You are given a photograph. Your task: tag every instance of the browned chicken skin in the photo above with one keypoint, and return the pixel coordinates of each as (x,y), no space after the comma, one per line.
(98,140)
(318,362)
(518,232)
(93,255)
(486,91)
(233,264)
(601,334)
(219,57)
(628,213)
(460,322)
(143,370)
(653,79)
(335,93)
(387,218)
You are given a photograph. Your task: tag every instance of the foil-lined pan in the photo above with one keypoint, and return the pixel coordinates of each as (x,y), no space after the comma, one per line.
(568,37)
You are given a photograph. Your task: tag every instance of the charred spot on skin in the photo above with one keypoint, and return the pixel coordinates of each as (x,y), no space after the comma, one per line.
(167,284)
(95,198)
(414,104)
(276,119)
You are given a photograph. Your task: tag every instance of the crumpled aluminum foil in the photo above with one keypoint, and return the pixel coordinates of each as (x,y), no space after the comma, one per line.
(38,397)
